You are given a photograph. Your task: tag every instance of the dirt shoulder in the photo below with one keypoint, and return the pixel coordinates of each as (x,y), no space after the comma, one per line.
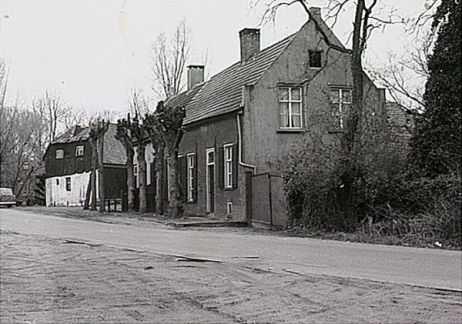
(60,281)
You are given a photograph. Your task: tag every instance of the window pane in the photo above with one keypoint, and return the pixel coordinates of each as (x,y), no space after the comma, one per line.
(283,94)
(296,93)
(283,108)
(296,108)
(334,95)
(284,120)
(345,109)
(211,157)
(346,96)
(297,121)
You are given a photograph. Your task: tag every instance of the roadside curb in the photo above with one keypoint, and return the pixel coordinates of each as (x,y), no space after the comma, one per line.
(207,224)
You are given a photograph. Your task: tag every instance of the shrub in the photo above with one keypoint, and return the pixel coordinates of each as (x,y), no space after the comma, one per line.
(420,210)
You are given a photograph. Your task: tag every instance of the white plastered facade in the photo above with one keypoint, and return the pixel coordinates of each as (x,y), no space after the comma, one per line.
(57,193)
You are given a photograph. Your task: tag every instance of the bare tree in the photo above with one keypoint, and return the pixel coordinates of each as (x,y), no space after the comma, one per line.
(138,103)
(54,110)
(20,149)
(158,144)
(168,122)
(97,131)
(404,76)
(3,81)
(168,61)
(140,136)
(124,136)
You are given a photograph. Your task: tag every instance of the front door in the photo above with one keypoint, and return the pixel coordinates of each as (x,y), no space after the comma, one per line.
(210,180)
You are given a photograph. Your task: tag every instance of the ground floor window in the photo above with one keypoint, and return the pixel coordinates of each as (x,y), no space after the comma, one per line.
(228,166)
(68,184)
(191,168)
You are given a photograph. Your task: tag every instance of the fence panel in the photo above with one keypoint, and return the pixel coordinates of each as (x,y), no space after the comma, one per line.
(261,205)
(278,202)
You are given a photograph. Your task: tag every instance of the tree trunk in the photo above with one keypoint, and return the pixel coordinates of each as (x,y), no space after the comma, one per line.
(142,177)
(86,204)
(159,163)
(94,166)
(130,181)
(175,205)
(352,139)
(102,198)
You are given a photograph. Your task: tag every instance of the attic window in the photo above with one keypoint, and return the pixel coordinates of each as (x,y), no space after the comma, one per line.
(59,154)
(79,150)
(315,59)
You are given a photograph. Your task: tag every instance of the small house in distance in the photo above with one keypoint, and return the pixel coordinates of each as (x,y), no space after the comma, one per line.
(68,167)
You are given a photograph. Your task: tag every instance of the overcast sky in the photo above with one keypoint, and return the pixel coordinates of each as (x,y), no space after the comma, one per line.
(93,51)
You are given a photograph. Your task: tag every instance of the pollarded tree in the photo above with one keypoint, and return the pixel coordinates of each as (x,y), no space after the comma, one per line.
(140,135)
(168,122)
(97,131)
(436,144)
(123,134)
(158,144)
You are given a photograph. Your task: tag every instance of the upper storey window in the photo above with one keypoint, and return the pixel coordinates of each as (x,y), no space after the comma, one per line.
(340,100)
(59,154)
(290,107)
(79,150)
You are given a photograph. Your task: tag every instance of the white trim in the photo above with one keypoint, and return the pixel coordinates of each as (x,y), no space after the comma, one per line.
(207,176)
(290,102)
(190,167)
(228,165)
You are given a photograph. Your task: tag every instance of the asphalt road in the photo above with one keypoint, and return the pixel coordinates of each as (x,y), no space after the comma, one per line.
(412,266)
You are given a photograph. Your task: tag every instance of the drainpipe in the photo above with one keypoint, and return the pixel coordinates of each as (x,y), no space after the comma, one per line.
(242,163)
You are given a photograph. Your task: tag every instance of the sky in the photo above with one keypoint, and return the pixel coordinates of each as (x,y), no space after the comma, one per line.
(92,52)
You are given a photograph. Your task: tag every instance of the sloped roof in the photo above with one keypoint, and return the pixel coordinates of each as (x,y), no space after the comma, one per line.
(72,135)
(114,151)
(223,92)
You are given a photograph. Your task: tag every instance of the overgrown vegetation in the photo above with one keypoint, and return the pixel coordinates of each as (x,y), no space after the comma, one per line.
(417,204)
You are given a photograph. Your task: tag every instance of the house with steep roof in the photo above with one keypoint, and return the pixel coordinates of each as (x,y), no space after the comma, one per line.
(68,167)
(243,122)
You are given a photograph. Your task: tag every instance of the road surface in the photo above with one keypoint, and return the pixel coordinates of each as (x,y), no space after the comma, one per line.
(392,264)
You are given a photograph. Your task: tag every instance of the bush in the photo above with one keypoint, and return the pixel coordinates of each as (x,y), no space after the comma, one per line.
(420,210)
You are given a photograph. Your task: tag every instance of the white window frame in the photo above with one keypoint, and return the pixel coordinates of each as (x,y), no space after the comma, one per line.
(342,106)
(209,152)
(290,101)
(79,150)
(228,165)
(190,162)
(59,154)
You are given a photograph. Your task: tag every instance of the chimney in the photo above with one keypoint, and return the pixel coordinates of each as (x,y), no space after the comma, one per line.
(250,43)
(195,75)
(316,12)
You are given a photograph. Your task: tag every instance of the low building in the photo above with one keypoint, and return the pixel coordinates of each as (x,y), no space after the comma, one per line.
(68,167)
